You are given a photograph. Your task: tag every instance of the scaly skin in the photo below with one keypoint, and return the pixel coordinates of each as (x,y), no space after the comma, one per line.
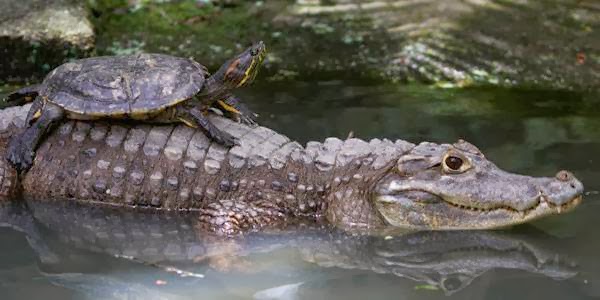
(269,179)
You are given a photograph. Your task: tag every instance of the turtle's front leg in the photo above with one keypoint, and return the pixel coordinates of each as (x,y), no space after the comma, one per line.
(21,150)
(196,118)
(235,109)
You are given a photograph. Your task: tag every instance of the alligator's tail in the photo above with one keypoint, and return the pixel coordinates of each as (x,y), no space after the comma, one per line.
(21,96)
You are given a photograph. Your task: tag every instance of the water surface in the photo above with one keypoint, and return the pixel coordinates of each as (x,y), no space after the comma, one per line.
(56,252)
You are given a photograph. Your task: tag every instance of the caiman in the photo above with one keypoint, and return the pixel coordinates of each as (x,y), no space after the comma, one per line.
(269,179)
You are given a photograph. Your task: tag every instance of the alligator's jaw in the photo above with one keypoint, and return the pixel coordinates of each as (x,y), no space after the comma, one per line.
(448,216)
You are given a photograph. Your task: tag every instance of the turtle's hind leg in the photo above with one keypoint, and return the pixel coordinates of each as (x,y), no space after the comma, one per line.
(21,150)
(22,96)
(235,109)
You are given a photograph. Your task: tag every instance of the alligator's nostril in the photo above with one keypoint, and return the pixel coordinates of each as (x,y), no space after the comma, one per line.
(564,176)
(572,185)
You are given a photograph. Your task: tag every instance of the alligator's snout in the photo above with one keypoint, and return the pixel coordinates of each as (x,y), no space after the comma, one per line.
(562,189)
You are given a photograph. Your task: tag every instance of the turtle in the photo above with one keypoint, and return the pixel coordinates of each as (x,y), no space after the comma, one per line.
(149,87)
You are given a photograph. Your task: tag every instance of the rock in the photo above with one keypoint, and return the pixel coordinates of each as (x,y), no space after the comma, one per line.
(37,35)
(544,44)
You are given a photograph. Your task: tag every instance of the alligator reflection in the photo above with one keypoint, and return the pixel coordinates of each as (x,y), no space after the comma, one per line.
(76,239)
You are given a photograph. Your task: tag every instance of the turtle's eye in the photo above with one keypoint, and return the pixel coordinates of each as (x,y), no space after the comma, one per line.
(455,163)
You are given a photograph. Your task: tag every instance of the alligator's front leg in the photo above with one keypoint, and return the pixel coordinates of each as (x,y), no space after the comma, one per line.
(228,217)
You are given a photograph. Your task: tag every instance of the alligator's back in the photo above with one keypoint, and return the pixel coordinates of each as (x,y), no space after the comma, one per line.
(161,166)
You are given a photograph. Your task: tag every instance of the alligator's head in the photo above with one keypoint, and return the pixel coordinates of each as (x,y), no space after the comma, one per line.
(455,187)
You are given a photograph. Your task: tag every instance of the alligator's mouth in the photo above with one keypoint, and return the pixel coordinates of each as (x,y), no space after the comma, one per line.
(542,202)
(445,213)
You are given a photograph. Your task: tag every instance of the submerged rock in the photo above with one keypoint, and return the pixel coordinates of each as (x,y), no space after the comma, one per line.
(36,35)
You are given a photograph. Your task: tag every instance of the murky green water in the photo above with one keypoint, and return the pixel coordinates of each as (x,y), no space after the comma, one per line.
(55,252)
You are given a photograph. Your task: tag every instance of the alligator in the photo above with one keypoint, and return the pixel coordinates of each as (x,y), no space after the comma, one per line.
(269,179)
(447,260)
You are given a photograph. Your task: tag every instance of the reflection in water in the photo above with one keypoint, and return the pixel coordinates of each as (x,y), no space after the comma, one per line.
(104,252)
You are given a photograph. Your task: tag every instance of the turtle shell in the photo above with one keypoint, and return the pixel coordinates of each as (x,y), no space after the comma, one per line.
(118,85)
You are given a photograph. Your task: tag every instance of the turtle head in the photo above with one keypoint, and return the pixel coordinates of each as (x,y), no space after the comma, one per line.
(242,69)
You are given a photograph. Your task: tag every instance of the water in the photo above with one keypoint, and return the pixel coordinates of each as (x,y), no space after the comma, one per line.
(56,252)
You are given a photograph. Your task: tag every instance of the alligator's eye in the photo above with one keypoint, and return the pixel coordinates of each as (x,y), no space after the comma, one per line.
(453,162)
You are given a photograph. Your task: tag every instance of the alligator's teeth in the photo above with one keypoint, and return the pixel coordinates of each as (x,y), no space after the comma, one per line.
(559,209)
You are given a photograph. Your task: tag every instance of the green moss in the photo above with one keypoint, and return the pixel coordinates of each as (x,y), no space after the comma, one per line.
(181,28)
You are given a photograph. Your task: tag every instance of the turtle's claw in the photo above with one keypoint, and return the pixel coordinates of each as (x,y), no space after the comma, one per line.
(248,119)
(20,155)
(226,139)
